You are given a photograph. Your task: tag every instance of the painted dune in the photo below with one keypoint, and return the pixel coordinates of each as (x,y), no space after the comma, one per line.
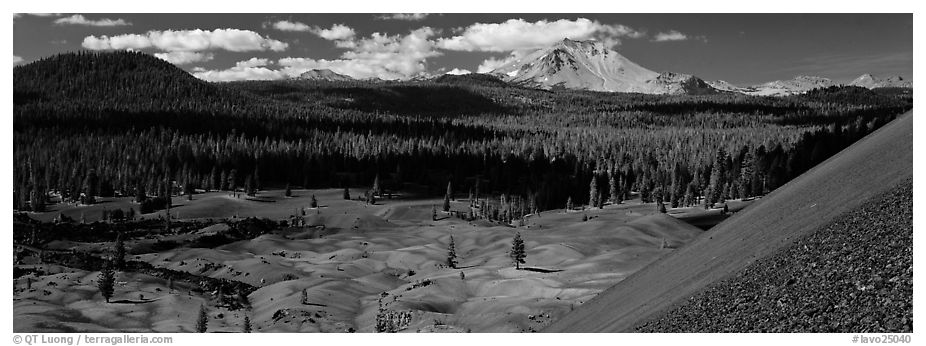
(349,257)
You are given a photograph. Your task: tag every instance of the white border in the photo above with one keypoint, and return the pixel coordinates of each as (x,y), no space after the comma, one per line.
(478,6)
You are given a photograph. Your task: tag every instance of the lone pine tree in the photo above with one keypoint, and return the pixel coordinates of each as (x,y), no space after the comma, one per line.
(106,281)
(447,197)
(517,251)
(247,324)
(202,323)
(452,254)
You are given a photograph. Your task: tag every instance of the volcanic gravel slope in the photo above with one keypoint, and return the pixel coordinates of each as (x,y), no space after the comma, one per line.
(804,205)
(853,275)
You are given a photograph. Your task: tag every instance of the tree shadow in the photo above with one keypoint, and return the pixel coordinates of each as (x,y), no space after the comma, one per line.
(129,301)
(541,270)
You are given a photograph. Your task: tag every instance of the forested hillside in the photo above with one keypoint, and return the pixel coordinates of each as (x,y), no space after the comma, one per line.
(101,124)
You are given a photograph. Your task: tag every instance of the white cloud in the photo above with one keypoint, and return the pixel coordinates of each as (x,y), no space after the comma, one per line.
(285,25)
(338,32)
(17,60)
(183,58)
(78,19)
(457,71)
(127,41)
(253,69)
(491,63)
(672,35)
(252,62)
(234,40)
(377,56)
(516,34)
(403,16)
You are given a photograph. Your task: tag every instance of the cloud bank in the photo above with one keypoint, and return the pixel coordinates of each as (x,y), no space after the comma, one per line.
(376,56)
(252,69)
(518,34)
(78,19)
(403,16)
(234,40)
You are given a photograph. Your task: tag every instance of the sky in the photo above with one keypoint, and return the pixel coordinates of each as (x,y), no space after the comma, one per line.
(743,49)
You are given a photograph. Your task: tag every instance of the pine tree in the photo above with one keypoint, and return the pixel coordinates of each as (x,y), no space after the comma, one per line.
(717,178)
(140,195)
(202,323)
(593,192)
(450,190)
(376,190)
(446,202)
(249,185)
(213,179)
(106,281)
(223,181)
(613,188)
(247,324)
(233,180)
(517,251)
(119,253)
(314,202)
(689,198)
(452,254)
(91,187)
(746,173)
(188,190)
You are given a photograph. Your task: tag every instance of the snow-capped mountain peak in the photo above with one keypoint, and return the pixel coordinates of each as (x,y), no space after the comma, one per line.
(591,65)
(869,81)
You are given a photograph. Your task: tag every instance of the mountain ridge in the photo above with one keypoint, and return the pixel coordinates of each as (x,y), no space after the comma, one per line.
(590,65)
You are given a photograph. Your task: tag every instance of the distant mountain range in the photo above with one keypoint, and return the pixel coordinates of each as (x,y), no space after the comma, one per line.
(589,65)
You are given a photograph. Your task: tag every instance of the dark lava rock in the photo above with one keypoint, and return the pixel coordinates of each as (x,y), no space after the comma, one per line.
(854,275)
